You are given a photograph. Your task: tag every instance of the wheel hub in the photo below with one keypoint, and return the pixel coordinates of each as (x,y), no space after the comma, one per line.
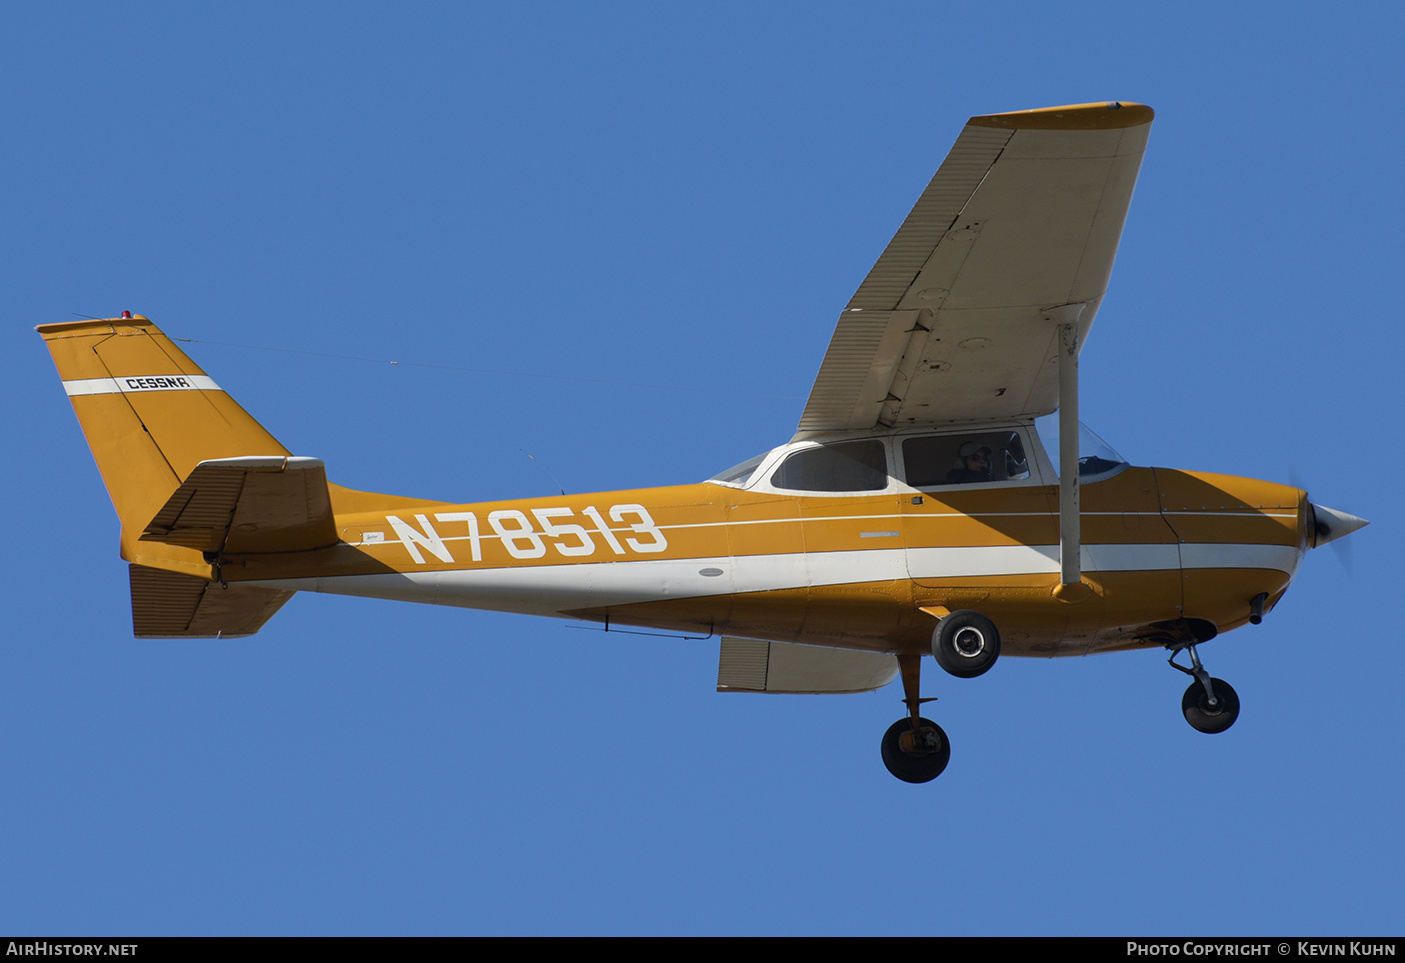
(920,742)
(969,642)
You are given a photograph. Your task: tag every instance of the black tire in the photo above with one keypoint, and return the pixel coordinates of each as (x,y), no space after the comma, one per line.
(915,766)
(966,644)
(1205,717)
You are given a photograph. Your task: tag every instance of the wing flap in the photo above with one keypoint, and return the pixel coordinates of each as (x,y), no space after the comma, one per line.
(751,665)
(249,505)
(970,159)
(858,370)
(168,605)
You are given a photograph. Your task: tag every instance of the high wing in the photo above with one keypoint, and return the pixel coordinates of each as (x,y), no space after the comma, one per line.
(1015,233)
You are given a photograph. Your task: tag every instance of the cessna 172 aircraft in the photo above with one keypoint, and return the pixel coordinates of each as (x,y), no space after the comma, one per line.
(914,511)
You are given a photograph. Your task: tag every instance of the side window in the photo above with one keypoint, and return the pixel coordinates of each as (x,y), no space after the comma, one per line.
(856,466)
(964,459)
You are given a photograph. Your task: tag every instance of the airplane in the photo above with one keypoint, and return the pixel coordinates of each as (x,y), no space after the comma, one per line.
(914,511)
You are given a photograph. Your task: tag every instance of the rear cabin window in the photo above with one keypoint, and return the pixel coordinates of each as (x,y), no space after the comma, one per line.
(943,460)
(856,466)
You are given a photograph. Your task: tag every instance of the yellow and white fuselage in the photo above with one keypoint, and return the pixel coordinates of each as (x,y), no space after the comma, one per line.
(745,557)
(852,571)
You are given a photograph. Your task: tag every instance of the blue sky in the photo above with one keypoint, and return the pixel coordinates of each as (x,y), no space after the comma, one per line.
(673,203)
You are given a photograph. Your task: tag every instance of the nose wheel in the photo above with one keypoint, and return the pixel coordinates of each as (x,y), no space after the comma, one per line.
(1206,715)
(1209,705)
(914,749)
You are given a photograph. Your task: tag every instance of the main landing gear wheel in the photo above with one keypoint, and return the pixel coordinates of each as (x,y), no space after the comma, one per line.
(1195,704)
(966,644)
(916,756)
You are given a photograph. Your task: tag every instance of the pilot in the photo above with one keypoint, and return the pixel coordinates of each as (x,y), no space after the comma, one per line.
(974,467)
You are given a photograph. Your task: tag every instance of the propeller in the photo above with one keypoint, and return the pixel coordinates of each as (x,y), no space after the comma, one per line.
(1331,525)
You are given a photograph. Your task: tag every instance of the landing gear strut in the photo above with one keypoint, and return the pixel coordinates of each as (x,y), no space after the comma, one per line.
(914,749)
(1209,705)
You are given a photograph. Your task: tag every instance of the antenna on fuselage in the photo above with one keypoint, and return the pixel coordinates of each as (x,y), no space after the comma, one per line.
(545,469)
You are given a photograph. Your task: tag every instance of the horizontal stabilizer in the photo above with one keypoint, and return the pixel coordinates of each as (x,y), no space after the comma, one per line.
(168,605)
(249,505)
(749,665)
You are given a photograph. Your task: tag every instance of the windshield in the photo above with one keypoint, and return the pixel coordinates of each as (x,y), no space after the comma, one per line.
(738,475)
(1096,458)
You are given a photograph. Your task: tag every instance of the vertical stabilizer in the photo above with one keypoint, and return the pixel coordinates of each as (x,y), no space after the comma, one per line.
(150,416)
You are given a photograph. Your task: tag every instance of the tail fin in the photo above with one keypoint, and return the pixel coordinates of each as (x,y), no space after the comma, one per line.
(150,416)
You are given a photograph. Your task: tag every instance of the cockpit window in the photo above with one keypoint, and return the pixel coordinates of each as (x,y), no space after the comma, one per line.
(1096,458)
(856,466)
(739,475)
(942,460)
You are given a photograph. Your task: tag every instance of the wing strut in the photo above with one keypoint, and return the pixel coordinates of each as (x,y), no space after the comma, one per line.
(1070,541)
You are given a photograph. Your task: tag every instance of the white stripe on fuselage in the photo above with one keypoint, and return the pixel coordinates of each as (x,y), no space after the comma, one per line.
(549,589)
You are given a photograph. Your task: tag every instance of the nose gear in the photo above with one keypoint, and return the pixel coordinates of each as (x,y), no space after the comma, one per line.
(1209,705)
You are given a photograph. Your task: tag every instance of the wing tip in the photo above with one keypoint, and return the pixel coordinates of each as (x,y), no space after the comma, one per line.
(1107,115)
